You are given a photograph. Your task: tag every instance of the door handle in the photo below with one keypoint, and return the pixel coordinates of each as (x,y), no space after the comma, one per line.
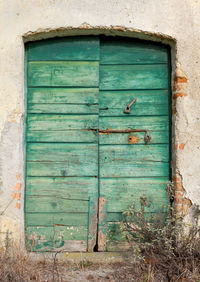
(128,107)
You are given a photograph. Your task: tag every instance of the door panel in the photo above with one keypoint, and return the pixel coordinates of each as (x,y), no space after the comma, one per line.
(62,153)
(129,167)
(79,176)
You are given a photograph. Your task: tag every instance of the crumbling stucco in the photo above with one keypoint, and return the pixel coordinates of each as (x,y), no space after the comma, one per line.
(173,22)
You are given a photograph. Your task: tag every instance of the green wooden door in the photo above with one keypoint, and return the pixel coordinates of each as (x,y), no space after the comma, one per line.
(80,178)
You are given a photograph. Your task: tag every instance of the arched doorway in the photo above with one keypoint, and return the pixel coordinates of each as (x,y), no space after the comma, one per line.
(97,138)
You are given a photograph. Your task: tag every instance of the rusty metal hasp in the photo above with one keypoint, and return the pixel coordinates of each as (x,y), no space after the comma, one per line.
(147,136)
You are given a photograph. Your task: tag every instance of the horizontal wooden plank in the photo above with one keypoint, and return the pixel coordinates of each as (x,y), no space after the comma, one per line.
(138,186)
(66,187)
(55,204)
(56,219)
(149,216)
(134,161)
(61,122)
(155,123)
(63,100)
(73,136)
(114,205)
(136,169)
(149,102)
(118,77)
(68,238)
(60,169)
(57,245)
(155,204)
(134,138)
(62,109)
(84,136)
(57,73)
(128,51)
(114,216)
(62,152)
(63,95)
(62,159)
(65,48)
(130,153)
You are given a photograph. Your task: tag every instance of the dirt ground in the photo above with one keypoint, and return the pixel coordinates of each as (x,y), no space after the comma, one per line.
(24,269)
(98,272)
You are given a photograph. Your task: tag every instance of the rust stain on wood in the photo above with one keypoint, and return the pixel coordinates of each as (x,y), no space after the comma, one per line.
(133,139)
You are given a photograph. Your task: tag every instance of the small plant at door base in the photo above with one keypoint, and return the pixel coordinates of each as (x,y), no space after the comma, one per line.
(166,244)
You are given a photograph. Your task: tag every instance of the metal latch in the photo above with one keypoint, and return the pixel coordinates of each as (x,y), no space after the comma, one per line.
(128,107)
(147,137)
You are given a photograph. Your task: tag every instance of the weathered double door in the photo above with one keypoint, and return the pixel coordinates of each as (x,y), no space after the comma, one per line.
(85,163)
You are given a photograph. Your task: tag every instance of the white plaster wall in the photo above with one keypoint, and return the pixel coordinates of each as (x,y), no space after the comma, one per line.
(23,20)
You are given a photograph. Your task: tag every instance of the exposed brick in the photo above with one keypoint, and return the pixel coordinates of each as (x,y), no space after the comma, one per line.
(179,186)
(185,209)
(187,202)
(179,193)
(18,205)
(174,111)
(178,200)
(178,87)
(181,204)
(179,209)
(175,146)
(17,187)
(16,196)
(18,176)
(180,79)
(179,94)
(181,146)
(176,178)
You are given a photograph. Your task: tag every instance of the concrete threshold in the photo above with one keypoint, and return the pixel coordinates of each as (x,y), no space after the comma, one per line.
(95,257)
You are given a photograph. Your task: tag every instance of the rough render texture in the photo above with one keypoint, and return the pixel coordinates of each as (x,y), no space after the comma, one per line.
(173,22)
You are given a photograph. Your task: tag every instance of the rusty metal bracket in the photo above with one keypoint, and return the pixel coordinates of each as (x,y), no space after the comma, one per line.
(147,136)
(128,107)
